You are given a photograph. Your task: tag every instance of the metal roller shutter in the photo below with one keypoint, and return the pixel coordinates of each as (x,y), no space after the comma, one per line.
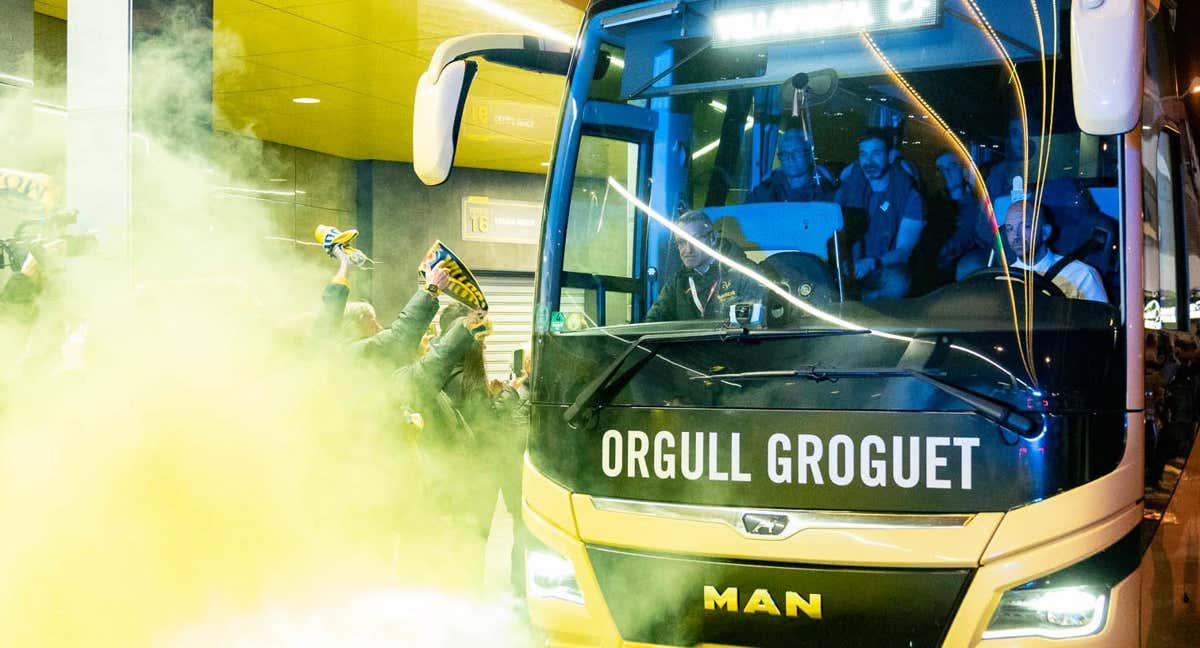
(510,305)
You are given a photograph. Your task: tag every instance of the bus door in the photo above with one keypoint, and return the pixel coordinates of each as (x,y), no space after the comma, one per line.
(610,268)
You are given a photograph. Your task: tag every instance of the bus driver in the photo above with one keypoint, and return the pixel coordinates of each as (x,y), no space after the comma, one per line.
(703,288)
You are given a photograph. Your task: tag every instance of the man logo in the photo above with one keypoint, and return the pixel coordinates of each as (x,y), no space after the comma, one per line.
(761,602)
(764,524)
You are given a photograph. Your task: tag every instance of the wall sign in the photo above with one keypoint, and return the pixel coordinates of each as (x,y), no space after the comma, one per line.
(501,221)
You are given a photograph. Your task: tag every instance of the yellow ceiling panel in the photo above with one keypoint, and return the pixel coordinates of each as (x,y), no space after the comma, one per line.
(324,65)
(533,122)
(543,87)
(363,69)
(227,7)
(362,58)
(395,85)
(375,20)
(458,17)
(56,8)
(241,75)
(422,48)
(505,155)
(331,133)
(279,100)
(271,31)
(284,4)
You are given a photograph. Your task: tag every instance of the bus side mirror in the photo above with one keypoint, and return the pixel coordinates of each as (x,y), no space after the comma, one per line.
(442,91)
(437,115)
(1107,50)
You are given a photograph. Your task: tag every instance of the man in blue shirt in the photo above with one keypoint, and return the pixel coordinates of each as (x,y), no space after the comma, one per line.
(894,215)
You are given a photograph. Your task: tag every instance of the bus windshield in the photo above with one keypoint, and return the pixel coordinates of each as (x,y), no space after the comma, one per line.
(894,166)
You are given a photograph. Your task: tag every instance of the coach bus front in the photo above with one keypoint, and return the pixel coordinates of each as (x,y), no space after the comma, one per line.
(789,457)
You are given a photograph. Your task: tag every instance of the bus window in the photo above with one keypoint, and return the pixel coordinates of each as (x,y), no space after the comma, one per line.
(600,241)
(856,173)
(1161,303)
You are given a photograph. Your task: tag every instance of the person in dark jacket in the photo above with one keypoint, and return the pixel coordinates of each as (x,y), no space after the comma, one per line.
(798,178)
(884,198)
(462,476)
(1000,178)
(355,322)
(972,239)
(703,288)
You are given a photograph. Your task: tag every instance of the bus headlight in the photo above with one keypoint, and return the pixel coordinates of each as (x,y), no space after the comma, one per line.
(1053,613)
(550,576)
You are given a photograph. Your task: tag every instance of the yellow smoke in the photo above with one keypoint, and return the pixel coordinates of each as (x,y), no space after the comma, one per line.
(178,467)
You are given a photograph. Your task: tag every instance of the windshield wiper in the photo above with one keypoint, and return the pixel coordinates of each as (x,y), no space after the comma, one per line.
(658,77)
(992,410)
(616,375)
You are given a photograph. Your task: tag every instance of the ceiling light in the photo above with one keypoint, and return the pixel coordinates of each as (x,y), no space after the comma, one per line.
(306,100)
(517,18)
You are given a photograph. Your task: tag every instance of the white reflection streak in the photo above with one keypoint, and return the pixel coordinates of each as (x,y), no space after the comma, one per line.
(790,298)
(12,79)
(541,28)
(521,20)
(760,279)
(49,108)
(711,146)
(256,192)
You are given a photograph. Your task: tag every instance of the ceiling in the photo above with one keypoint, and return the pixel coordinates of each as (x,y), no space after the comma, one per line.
(362,58)
(56,8)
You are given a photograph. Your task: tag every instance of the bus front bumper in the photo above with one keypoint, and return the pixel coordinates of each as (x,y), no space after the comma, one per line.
(568,606)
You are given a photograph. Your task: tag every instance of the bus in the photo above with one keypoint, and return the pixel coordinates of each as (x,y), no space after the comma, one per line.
(768,412)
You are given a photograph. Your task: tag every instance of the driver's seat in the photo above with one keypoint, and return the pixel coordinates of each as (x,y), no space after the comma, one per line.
(770,228)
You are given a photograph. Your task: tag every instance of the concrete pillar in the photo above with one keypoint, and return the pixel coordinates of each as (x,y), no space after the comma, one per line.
(16,76)
(16,46)
(98,120)
(115,102)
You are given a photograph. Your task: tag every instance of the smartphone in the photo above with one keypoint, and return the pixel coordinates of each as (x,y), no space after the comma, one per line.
(518,367)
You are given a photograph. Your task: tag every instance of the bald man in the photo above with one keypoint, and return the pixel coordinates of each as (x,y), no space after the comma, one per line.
(1076,279)
(798,178)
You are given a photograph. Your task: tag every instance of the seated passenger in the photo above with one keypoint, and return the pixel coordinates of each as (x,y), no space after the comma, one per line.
(999,179)
(1076,279)
(703,288)
(895,216)
(797,179)
(968,247)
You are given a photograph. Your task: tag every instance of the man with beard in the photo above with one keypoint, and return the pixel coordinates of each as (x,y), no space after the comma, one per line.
(886,198)
(703,288)
(798,178)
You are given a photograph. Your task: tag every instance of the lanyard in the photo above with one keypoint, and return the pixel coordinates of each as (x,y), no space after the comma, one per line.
(696,297)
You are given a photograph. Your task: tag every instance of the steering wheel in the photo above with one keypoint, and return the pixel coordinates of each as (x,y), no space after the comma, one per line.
(1015,275)
(807,276)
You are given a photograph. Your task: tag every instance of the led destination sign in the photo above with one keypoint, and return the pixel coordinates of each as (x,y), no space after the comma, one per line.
(820,18)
